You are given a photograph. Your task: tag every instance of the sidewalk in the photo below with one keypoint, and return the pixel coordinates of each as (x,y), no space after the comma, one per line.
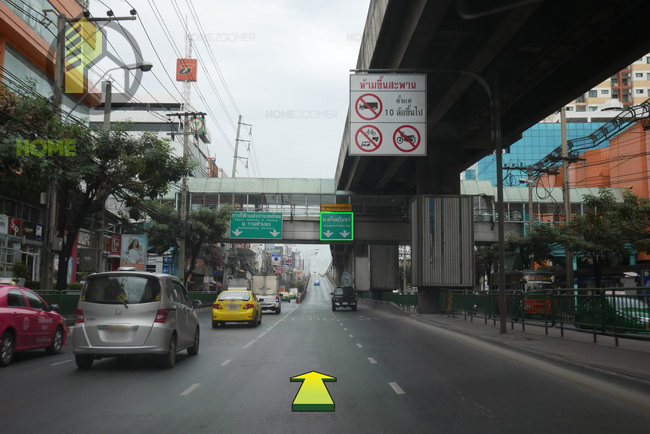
(628,364)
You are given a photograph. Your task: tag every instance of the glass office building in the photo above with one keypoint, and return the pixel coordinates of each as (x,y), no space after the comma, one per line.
(536,143)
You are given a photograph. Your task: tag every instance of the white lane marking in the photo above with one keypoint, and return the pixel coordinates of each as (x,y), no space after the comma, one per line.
(359,345)
(351,336)
(396,388)
(373,361)
(345,330)
(59,363)
(225,362)
(292,319)
(262,334)
(250,343)
(190,389)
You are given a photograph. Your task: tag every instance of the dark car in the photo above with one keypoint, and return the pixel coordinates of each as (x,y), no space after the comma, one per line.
(344,296)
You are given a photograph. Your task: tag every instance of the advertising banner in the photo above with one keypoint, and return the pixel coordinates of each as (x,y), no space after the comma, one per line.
(134,251)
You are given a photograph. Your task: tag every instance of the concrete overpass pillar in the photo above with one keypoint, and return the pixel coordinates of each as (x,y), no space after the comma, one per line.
(384,269)
(439,177)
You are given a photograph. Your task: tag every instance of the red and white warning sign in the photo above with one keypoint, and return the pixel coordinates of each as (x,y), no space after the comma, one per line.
(406,138)
(392,106)
(368,138)
(368,106)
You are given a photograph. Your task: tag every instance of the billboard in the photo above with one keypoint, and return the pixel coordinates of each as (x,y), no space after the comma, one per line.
(186,69)
(134,251)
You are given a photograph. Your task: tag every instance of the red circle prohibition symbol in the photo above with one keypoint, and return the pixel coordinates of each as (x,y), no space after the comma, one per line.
(404,138)
(368,142)
(365,104)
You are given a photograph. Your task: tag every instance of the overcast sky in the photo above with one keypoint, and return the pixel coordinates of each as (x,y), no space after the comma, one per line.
(285,62)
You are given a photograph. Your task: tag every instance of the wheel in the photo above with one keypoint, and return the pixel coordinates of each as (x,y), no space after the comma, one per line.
(333,308)
(7,350)
(215,324)
(278,310)
(259,322)
(169,360)
(194,349)
(354,308)
(84,361)
(57,342)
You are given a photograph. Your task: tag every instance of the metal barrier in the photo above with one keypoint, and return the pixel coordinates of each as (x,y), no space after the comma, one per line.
(67,301)
(617,312)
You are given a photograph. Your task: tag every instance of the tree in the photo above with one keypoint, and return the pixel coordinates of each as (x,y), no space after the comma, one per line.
(104,164)
(537,246)
(204,227)
(609,230)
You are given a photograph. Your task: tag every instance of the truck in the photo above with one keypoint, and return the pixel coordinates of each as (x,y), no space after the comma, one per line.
(266,288)
(239,283)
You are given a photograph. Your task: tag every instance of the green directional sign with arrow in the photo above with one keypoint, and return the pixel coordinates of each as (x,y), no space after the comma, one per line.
(256,225)
(313,395)
(337,226)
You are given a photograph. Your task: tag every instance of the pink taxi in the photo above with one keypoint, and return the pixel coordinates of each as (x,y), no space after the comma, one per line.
(27,322)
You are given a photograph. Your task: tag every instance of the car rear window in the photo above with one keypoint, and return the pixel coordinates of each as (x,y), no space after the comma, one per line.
(344,291)
(234,295)
(118,289)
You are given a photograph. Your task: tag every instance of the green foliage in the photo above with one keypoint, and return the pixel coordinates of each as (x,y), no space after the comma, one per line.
(20,270)
(106,163)
(33,284)
(74,286)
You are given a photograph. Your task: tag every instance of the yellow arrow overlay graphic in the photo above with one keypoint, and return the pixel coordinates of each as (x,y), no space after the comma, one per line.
(312,395)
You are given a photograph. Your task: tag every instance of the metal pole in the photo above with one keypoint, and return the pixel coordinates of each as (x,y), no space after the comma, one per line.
(567,195)
(498,145)
(530,200)
(181,241)
(234,160)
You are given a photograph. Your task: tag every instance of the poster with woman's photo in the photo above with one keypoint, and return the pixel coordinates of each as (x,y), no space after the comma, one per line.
(134,251)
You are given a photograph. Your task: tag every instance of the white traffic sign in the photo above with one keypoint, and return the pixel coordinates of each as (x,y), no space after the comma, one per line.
(390,106)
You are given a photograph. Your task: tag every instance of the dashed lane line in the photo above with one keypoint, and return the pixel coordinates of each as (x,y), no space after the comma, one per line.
(190,389)
(60,363)
(226,362)
(373,361)
(396,388)
(359,345)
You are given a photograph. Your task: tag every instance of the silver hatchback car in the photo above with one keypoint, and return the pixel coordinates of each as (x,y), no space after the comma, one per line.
(124,313)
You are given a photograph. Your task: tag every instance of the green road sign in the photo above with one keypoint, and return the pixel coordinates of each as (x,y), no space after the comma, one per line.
(336,226)
(257,225)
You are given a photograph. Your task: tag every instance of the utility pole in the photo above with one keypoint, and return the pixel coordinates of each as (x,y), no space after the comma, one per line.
(234,160)
(567,196)
(108,96)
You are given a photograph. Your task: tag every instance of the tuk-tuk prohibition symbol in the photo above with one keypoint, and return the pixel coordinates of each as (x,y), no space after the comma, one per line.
(368,138)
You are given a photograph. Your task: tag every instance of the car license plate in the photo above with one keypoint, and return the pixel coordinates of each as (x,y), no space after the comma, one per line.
(233,307)
(344,303)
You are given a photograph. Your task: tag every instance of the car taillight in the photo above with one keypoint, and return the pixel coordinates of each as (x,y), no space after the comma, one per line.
(249,306)
(161,315)
(80,316)
(216,306)
(277,299)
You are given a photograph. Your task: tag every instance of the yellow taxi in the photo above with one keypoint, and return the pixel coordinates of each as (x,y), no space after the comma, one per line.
(236,306)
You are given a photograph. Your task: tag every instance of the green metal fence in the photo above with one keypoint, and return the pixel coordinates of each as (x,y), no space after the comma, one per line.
(66,300)
(617,312)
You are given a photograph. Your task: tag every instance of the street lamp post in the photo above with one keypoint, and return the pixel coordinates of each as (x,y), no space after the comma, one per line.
(144,66)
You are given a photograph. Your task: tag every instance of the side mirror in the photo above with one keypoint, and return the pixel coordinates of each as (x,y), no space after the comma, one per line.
(196,304)
(331,293)
(54,307)
(260,300)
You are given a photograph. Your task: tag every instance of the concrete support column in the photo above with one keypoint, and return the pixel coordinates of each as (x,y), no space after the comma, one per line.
(434,176)
(384,269)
